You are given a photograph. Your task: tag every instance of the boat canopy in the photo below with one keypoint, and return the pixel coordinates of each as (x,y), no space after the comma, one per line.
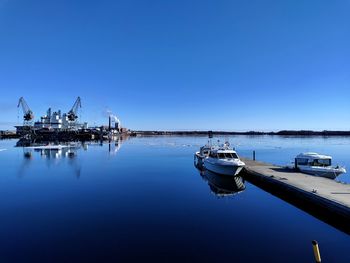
(314,159)
(313,156)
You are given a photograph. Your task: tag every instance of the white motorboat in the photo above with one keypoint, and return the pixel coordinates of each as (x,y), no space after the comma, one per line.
(220,159)
(317,164)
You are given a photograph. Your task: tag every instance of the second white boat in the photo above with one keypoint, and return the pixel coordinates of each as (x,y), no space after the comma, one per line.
(316,164)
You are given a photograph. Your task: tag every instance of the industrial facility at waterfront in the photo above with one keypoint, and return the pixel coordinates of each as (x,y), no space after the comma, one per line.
(60,125)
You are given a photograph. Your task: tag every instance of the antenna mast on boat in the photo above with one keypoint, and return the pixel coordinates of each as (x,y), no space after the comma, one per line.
(210,136)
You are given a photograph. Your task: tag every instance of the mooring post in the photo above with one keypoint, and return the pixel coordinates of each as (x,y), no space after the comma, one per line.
(316,251)
(253,155)
(295,164)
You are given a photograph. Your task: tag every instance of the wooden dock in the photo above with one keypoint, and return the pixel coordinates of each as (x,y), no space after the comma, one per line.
(324,198)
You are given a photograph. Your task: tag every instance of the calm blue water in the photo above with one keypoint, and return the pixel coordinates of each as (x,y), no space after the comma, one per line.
(143,200)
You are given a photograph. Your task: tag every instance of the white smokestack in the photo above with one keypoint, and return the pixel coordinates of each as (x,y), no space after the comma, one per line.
(116,120)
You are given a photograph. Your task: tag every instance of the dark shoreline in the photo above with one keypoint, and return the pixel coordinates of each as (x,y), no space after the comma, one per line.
(301,133)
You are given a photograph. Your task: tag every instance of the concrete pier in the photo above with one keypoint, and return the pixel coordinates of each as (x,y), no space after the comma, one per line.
(324,198)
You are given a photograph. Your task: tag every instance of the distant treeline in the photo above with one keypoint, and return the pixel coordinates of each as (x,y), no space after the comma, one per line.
(12,134)
(280,133)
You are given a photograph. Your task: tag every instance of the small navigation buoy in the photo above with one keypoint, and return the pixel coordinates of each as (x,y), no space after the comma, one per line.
(316,251)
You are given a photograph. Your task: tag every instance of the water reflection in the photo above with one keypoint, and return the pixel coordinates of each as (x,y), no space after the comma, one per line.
(221,185)
(114,145)
(55,153)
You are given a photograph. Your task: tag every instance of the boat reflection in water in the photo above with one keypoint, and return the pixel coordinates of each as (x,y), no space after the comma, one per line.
(52,151)
(53,154)
(61,153)
(222,185)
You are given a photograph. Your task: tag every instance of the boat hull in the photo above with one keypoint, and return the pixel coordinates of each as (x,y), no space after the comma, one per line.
(230,170)
(327,173)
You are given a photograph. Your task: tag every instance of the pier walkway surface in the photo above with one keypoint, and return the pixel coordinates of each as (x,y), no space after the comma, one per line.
(319,192)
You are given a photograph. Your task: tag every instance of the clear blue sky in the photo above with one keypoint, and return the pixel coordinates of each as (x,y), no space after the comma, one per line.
(228,65)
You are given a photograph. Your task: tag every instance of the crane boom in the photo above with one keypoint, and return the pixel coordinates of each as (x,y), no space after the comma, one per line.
(72,114)
(27,112)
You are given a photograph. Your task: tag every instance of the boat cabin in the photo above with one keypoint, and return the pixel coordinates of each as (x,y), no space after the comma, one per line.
(313,159)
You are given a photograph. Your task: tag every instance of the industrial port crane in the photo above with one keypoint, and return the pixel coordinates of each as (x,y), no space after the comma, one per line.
(27,112)
(72,114)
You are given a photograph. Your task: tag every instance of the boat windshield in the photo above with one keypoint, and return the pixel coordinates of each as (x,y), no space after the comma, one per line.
(322,162)
(213,155)
(302,161)
(227,156)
